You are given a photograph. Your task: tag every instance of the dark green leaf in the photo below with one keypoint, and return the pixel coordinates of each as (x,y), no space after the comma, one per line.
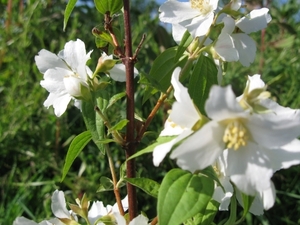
(147,185)
(69,8)
(182,195)
(115,98)
(119,125)
(78,143)
(204,75)
(106,184)
(162,69)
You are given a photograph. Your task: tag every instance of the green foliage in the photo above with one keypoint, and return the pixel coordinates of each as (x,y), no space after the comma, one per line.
(76,146)
(111,6)
(69,8)
(182,195)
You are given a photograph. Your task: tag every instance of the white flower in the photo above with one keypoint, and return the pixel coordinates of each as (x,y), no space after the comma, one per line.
(25,221)
(109,66)
(177,124)
(220,195)
(256,20)
(98,210)
(58,206)
(235,46)
(195,16)
(65,74)
(139,220)
(250,140)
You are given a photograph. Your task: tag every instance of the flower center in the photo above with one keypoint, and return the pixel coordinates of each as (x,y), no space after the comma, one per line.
(202,5)
(235,135)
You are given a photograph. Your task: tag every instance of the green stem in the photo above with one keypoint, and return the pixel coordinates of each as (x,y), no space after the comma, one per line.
(117,137)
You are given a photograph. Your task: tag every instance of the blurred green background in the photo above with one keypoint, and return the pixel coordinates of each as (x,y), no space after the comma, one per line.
(33,142)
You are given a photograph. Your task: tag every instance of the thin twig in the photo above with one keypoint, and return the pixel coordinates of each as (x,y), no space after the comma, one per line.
(154,221)
(138,48)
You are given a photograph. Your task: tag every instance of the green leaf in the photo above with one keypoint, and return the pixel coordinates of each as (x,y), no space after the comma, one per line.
(182,195)
(211,173)
(120,125)
(150,148)
(78,143)
(69,8)
(162,69)
(111,6)
(106,184)
(184,43)
(149,186)
(115,98)
(232,217)
(204,75)
(208,216)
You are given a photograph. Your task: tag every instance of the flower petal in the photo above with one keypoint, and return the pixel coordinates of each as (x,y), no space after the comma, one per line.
(162,150)
(23,221)
(200,25)
(139,220)
(226,49)
(46,60)
(200,149)
(221,104)
(118,72)
(246,48)
(184,105)
(249,168)
(175,12)
(256,20)
(58,205)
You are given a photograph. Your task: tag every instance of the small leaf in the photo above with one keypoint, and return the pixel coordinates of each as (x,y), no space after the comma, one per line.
(204,75)
(115,98)
(69,8)
(106,184)
(119,126)
(184,43)
(111,6)
(182,195)
(78,143)
(149,186)
(150,148)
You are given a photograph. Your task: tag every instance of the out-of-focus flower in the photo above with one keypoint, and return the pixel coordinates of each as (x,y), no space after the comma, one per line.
(65,75)
(195,16)
(139,220)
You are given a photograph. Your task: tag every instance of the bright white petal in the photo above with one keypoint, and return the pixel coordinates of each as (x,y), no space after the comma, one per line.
(255,82)
(96,211)
(120,220)
(74,53)
(246,48)
(59,103)
(58,205)
(274,130)
(249,168)
(221,104)
(175,12)
(177,32)
(73,85)
(285,156)
(200,149)
(118,73)
(229,25)
(184,105)
(171,129)
(235,4)
(200,25)
(226,49)
(223,197)
(23,221)
(258,19)
(53,80)
(125,205)
(139,220)
(46,60)
(162,150)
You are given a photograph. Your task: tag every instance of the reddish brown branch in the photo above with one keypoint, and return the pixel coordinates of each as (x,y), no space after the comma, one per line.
(130,139)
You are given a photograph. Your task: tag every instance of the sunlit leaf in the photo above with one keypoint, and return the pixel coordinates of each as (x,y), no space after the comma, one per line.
(69,8)
(182,195)
(149,186)
(78,143)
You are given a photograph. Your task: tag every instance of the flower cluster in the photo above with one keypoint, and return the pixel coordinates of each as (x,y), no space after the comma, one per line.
(98,214)
(67,76)
(248,138)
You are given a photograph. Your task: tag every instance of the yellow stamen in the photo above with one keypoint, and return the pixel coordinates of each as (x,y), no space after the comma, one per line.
(235,135)
(202,5)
